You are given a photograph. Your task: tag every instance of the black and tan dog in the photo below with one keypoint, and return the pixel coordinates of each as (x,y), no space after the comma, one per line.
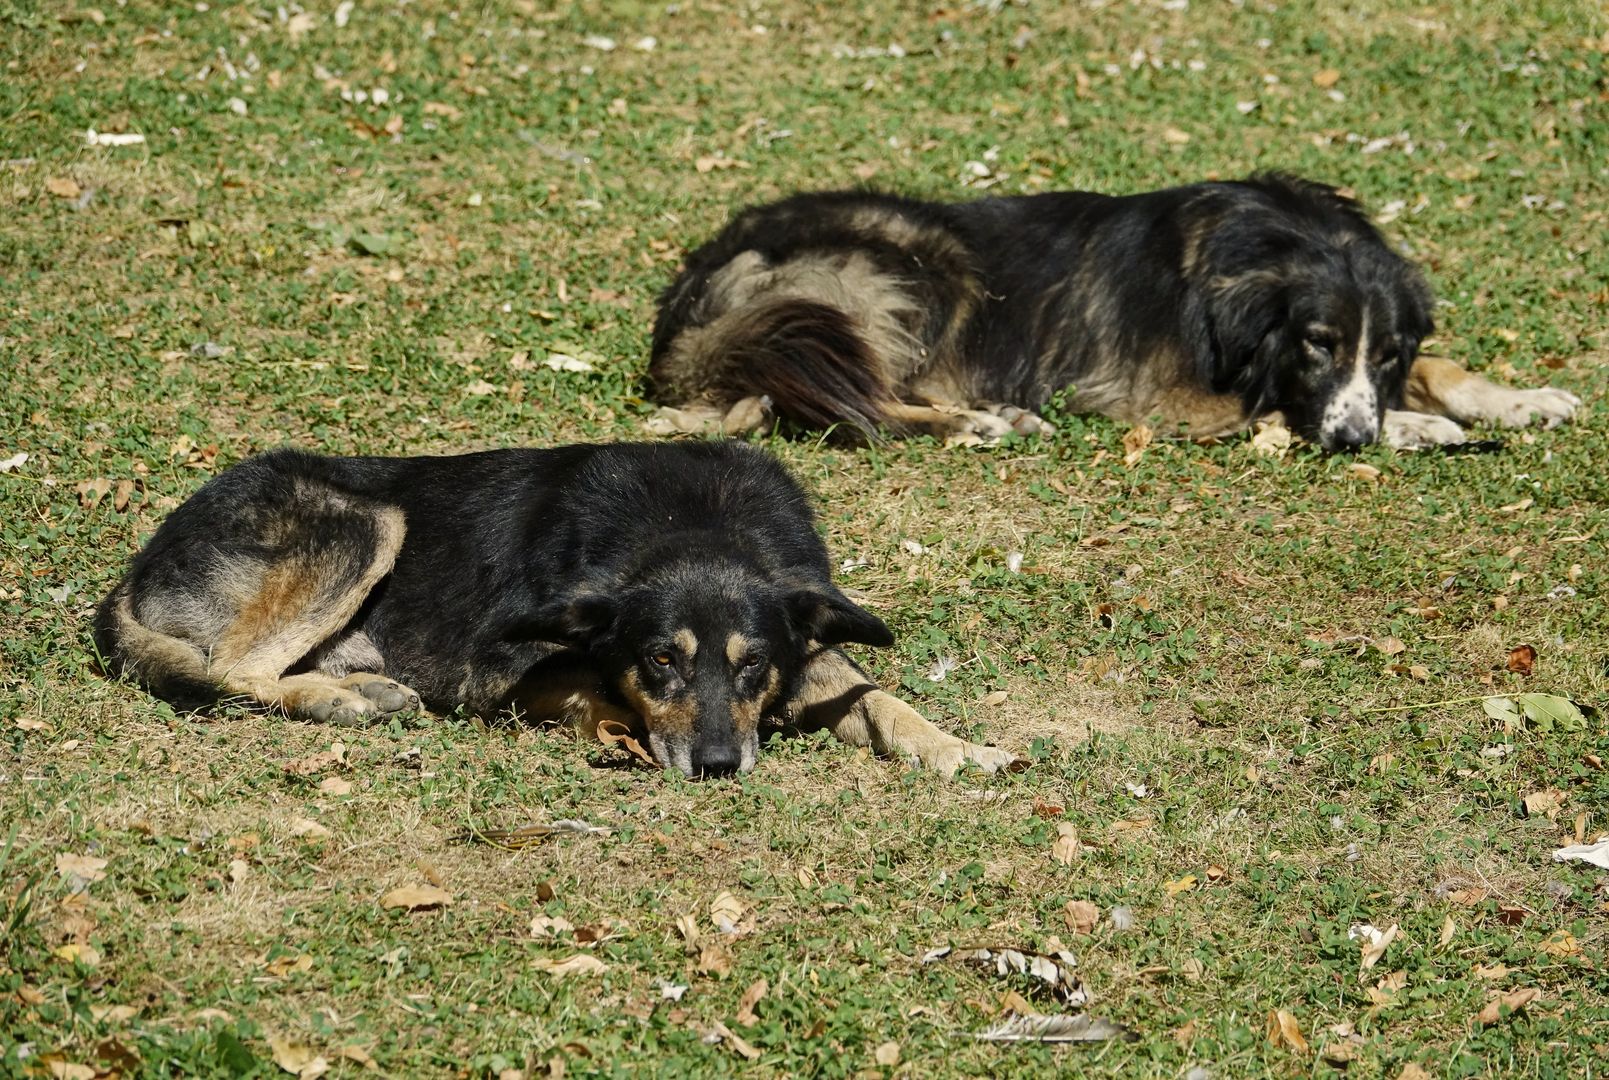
(1202,307)
(677,588)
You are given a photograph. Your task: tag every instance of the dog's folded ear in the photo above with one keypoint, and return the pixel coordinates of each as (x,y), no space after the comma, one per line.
(823,614)
(575,620)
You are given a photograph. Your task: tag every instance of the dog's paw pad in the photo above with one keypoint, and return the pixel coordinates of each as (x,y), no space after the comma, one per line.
(992,759)
(342,708)
(386,695)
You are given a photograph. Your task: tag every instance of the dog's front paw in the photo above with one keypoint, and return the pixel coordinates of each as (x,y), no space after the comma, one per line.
(1404,430)
(1548,404)
(974,428)
(947,758)
(386,695)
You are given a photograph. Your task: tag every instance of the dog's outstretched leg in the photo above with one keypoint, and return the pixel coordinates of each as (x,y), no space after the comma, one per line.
(835,694)
(1443,388)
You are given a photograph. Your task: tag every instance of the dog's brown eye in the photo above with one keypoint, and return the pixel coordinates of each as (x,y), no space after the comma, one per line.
(663,659)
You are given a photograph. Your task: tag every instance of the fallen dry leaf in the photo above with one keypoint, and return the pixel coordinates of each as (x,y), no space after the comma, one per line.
(1272,437)
(1449,928)
(1411,1071)
(1283,1031)
(1390,646)
(1326,78)
(735,1041)
(308,829)
(1491,972)
(1467,897)
(1373,943)
(1064,849)
(579,964)
(543,926)
(1545,803)
(1082,916)
(615,733)
(335,785)
(296,1058)
(887,1054)
(1184,884)
(416,898)
(751,997)
(714,960)
(1512,1002)
(63,187)
(1135,441)
(80,871)
(1521,659)
(725,911)
(1561,943)
(1364,472)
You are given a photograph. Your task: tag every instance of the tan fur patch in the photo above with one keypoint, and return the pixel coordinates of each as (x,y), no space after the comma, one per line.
(673,718)
(737,647)
(686,642)
(746,713)
(1432,381)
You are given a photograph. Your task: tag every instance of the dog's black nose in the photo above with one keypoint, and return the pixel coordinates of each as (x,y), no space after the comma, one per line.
(1349,438)
(718,761)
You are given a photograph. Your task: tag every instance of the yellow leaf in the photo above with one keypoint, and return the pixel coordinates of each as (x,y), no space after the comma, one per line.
(1184,884)
(887,1055)
(63,187)
(1283,1031)
(1065,848)
(725,911)
(1449,927)
(1326,78)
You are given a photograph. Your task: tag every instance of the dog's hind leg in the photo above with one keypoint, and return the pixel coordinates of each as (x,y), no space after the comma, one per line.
(333,554)
(1442,388)
(835,694)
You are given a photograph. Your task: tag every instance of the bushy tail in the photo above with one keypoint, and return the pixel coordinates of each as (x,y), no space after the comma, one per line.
(810,357)
(167,666)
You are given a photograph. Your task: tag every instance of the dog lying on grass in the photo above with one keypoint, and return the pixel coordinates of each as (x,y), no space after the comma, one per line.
(679,589)
(1203,307)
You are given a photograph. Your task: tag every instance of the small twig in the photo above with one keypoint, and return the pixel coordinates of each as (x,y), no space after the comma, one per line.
(1434,704)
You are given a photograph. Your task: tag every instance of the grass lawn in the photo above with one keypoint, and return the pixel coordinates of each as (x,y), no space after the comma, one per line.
(1250,685)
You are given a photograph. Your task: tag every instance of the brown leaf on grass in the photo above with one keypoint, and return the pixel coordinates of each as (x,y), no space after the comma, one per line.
(1449,929)
(714,960)
(91,492)
(1135,441)
(1521,659)
(80,871)
(1411,1071)
(751,997)
(63,187)
(687,926)
(1390,646)
(1272,437)
(1326,78)
(1511,914)
(1507,1004)
(308,830)
(1364,472)
(335,785)
(615,733)
(887,1054)
(711,162)
(1561,943)
(297,1058)
(1467,897)
(1065,848)
(1082,916)
(543,926)
(416,898)
(438,108)
(317,763)
(726,911)
(359,1056)
(1284,1031)
(122,494)
(578,965)
(734,1040)
(1385,991)
(1373,943)
(1544,803)
(1491,972)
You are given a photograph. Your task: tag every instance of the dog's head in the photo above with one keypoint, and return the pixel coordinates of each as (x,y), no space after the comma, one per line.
(1310,313)
(701,650)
